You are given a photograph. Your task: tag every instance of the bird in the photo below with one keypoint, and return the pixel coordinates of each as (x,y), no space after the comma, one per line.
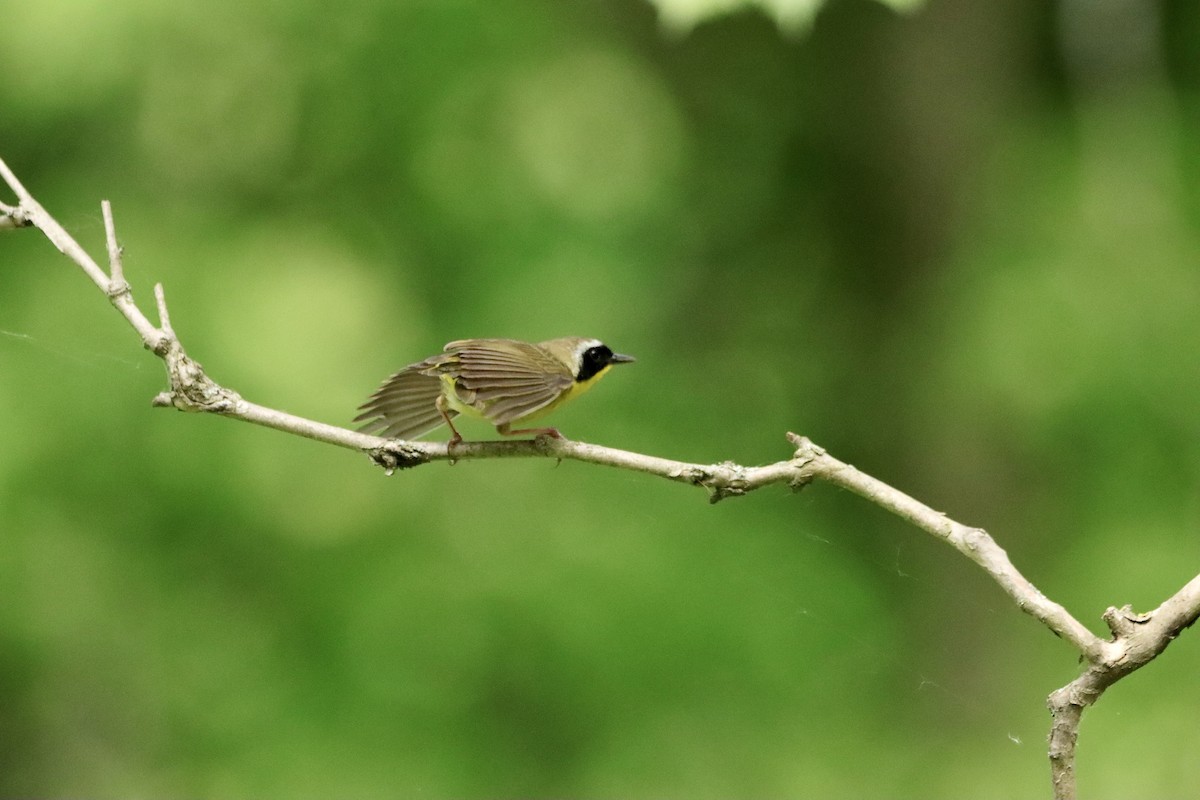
(504,381)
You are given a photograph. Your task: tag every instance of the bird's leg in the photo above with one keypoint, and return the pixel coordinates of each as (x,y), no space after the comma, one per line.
(444,410)
(504,430)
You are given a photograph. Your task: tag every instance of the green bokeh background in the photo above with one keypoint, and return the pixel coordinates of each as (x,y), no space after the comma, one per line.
(958,247)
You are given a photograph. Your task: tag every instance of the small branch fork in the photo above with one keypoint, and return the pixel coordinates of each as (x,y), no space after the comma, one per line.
(1136,638)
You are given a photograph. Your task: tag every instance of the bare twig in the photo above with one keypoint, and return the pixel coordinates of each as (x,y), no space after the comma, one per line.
(164,317)
(117,284)
(1137,639)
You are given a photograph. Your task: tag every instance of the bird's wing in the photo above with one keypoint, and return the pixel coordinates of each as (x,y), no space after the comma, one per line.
(403,407)
(505,379)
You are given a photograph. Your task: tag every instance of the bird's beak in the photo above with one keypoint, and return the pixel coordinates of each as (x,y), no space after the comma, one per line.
(618,358)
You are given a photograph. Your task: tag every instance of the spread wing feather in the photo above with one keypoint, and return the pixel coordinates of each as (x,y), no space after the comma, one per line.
(517,407)
(403,407)
(510,379)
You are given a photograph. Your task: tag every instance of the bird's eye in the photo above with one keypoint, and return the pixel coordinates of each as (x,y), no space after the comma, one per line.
(598,355)
(593,360)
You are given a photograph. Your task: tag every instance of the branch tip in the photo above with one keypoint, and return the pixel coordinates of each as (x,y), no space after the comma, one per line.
(806,450)
(1124,621)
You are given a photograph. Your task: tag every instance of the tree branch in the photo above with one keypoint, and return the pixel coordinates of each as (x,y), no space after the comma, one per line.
(1137,638)
(118,291)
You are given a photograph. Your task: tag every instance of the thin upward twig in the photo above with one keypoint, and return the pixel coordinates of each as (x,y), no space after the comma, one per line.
(115,269)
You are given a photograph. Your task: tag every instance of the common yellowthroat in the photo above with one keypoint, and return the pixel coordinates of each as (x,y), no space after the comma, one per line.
(503,381)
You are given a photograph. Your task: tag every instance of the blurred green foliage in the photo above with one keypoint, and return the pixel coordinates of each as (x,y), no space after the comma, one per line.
(958,248)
